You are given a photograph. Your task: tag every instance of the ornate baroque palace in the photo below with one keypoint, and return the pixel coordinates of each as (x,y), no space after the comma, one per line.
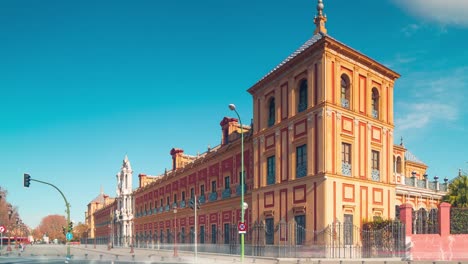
(319,161)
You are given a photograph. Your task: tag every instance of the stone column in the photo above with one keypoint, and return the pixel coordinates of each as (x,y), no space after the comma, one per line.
(444,219)
(406,217)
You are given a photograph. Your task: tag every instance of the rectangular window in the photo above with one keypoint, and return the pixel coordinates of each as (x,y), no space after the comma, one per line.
(183,196)
(240,177)
(161,236)
(227,182)
(192,193)
(375,160)
(213,186)
(168,200)
(161,203)
(175,198)
(346,153)
(269,231)
(202,234)
(182,235)
(192,235)
(213,234)
(301,161)
(348,229)
(300,229)
(271,177)
(227,230)
(202,190)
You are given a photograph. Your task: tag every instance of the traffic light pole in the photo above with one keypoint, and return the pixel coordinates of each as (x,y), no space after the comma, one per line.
(68,212)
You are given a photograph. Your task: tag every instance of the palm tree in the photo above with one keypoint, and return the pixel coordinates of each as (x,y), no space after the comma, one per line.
(457,194)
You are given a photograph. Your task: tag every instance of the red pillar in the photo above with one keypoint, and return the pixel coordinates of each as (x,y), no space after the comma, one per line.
(444,219)
(406,217)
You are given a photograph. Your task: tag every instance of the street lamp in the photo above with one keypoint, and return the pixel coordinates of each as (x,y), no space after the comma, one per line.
(232,107)
(10,212)
(175,230)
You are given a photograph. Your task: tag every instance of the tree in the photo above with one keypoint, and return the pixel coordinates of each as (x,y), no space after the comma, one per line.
(52,225)
(458,191)
(79,231)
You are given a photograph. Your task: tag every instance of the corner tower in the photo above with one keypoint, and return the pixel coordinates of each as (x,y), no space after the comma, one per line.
(323,136)
(124,211)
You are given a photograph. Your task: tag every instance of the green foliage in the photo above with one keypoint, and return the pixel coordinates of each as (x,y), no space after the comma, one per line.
(457,194)
(377,224)
(459,220)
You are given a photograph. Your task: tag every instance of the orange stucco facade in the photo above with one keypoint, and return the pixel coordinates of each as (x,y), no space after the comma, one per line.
(321,150)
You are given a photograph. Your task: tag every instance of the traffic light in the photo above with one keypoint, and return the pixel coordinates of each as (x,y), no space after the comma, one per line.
(27,180)
(70,226)
(64,230)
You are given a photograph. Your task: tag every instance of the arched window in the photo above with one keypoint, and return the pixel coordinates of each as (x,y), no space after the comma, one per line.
(375,103)
(345,91)
(302,105)
(271,112)
(398,165)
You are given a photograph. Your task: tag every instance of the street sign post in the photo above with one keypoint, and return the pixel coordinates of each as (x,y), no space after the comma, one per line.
(2,230)
(242,228)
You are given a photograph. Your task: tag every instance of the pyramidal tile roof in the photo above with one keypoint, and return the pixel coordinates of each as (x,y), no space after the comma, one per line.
(411,157)
(304,46)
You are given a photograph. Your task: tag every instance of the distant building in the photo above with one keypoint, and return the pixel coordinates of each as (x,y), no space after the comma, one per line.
(98,203)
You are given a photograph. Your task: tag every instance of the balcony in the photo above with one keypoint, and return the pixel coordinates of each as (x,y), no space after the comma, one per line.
(301,171)
(301,107)
(375,175)
(168,207)
(226,193)
(375,113)
(202,199)
(409,181)
(182,204)
(161,209)
(271,122)
(238,189)
(345,103)
(346,169)
(213,197)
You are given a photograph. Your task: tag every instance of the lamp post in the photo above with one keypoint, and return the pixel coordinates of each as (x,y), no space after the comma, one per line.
(232,107)
(175,230)
(10,212)
(95,237)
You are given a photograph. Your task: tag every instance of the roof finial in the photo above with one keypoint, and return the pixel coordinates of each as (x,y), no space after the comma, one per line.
(102,190)
(401,141)
(320,19)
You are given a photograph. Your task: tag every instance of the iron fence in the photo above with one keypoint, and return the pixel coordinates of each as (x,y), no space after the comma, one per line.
(282,239)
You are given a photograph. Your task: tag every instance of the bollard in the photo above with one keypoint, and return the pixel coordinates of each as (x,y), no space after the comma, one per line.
(86,256)
(133,257)
(363,262)
(116,257)
(298,261)
(100,257)
(319,261)
(253,260)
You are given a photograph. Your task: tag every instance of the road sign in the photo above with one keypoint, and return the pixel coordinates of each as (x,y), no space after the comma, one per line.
(2,229)
(69,236)
(242,227)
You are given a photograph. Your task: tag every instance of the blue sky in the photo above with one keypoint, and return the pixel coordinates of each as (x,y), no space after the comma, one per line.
(83,83)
